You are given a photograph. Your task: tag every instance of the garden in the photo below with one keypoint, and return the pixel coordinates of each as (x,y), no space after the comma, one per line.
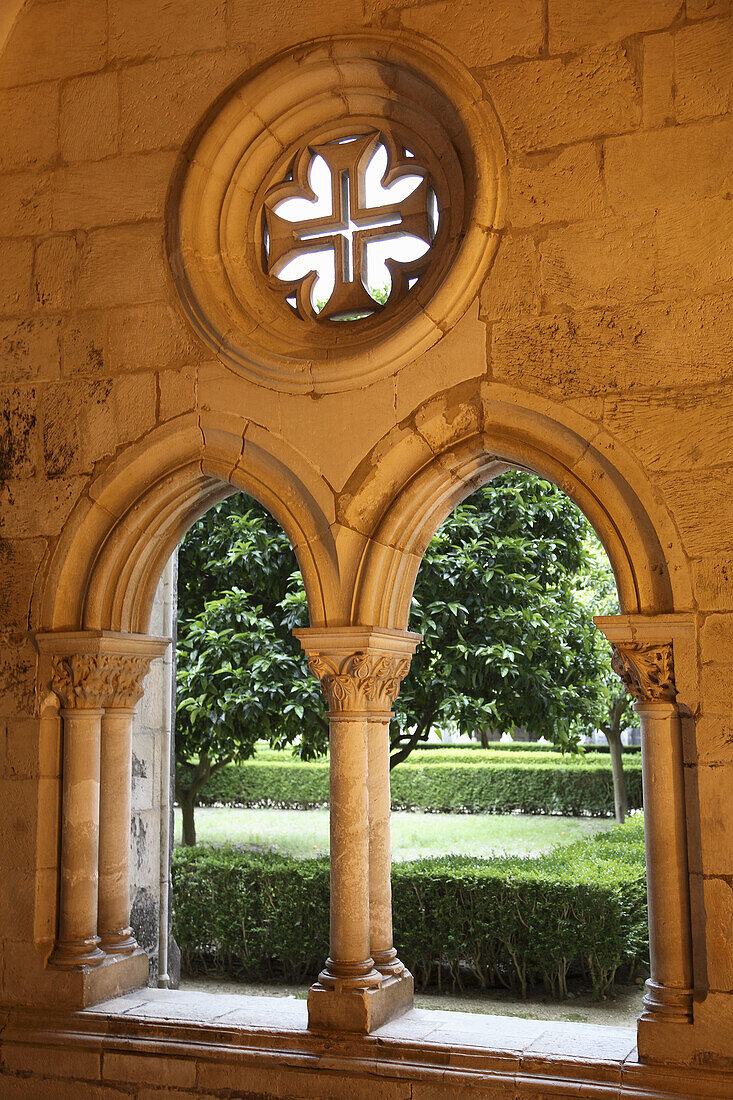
(515,869)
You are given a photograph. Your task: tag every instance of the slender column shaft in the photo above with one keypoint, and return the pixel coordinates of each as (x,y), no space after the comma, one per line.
(114,834)
(349,942)
(360,670)
(646,669)
(380,850)
(669,989)
(93,672)
(77,942)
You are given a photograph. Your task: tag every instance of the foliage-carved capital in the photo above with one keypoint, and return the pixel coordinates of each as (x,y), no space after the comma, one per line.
(360,682)
(125,681)
(88,681)
(80,680)
(646,670)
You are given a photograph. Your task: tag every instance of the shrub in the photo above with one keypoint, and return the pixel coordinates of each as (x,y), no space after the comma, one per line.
(487,782)
(506,786)
(516,750)
(511,922)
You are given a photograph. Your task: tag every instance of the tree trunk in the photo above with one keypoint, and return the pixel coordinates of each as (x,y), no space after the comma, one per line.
(613,736)
(404,745)
(187,798)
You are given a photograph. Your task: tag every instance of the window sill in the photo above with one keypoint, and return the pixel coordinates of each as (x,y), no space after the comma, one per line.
(202,1042)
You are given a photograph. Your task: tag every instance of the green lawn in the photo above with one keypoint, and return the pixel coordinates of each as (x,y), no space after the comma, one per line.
(305,832)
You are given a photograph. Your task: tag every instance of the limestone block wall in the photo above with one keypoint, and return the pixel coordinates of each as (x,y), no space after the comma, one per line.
(150,841)
(598,351)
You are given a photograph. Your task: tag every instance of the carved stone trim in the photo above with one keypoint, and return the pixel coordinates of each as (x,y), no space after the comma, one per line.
(87,681)
(126,680)
(80,680)
(347,162)
(380,82)
(360,682)
(646,670)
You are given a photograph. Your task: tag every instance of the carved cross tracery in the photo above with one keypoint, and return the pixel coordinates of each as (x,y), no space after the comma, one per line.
(350,227)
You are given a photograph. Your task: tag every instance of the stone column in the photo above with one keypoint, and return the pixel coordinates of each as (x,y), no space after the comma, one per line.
(360,671)
(383,950)
(647,671)
(79,680)
(125,688)
(97,675)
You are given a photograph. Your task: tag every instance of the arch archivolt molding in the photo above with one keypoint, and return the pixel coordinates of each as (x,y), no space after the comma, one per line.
(471,435)
(359,552)
(109,558)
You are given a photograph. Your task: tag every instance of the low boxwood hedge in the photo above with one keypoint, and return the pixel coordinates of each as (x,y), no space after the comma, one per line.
(447,782)
(511,922)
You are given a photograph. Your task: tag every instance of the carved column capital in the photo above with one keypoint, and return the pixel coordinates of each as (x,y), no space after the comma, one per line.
(125,680)
(646,670)
(360,668)
(80,680)
(91,669)
(88,681)
(361,681)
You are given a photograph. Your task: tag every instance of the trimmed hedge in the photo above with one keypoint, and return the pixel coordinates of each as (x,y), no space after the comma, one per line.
(489,783)
(511,746)
(511,922)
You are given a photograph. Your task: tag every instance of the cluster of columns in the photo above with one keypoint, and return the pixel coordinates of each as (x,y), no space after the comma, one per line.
(360,670)
(98,678)
(646,669)
(363,982)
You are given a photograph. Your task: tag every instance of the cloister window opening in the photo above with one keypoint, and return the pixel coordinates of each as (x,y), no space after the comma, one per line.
(349,228)
(241,678)
(235,657)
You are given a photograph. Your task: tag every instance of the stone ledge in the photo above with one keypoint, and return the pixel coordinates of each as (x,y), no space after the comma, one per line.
(436,1053)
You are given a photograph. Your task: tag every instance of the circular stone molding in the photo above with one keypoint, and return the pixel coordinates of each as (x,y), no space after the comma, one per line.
(327,91)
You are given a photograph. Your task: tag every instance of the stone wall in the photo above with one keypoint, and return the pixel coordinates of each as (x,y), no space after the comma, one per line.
(151,773)
(596,352)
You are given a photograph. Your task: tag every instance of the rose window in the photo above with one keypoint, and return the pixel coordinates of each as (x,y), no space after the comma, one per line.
(349,229)
(335,213)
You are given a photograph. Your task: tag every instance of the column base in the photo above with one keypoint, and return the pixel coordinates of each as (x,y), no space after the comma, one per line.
(73,954)
(88,985)
(387,963)
(118,943)
(664,1029)
(360,1010)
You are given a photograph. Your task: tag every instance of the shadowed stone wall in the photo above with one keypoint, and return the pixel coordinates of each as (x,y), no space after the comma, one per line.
(596,351)
(150,771)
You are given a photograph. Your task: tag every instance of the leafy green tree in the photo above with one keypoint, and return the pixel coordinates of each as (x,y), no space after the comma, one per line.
(506,641)
(597,590)
(241,675)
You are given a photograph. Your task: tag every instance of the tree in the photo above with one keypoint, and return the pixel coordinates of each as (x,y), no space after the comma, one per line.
(597,590)
(506,641)
(241,675)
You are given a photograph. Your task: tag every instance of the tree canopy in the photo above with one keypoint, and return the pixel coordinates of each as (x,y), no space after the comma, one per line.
(506,641)
(501,599)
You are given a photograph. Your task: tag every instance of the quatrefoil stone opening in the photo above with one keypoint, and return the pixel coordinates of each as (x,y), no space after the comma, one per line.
(349,229)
